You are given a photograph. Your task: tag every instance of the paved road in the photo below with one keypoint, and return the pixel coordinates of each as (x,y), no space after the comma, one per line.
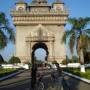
(76,84)
(22,82)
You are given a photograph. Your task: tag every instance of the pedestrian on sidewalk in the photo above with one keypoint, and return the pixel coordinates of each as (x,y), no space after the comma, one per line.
(60,77)
(53,79)
(59,69)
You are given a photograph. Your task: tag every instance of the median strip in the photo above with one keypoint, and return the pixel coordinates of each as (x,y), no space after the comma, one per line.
(10,75)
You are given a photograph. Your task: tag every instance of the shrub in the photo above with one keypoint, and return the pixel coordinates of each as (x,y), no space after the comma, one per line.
(5,72)
(71,61)
(27,62)
(39,63)
(14,60)
(64,62)
(54,62)
(75,59)
(30,65)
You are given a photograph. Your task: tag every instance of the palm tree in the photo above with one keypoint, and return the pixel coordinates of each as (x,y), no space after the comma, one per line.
(6,32)
(80,34)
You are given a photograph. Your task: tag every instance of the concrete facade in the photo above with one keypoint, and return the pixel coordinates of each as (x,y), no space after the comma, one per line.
(39,22)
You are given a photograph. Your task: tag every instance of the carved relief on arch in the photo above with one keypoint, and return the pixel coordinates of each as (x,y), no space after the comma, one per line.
(40,33)
(40,30)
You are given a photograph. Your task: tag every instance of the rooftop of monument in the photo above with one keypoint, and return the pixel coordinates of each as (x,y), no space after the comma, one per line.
(59,1)
(21,2)
(40,2)
(34,3)
(51,11)
(41,5)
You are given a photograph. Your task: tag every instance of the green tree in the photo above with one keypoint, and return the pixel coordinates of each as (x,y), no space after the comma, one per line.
(6,32)
(79,35)
(14,60)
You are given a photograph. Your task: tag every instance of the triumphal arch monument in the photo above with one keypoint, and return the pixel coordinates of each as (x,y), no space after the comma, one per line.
(39,25)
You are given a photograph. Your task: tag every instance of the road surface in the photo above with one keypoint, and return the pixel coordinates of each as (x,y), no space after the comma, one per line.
(22,82)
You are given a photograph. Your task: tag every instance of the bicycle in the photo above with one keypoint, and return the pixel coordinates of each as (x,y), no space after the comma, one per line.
(63,83)
(39,84)
(59,83)
(53,77)
(66,83)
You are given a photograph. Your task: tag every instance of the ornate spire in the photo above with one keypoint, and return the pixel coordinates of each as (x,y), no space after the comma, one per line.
(58,1)
(21,1)
(39,1)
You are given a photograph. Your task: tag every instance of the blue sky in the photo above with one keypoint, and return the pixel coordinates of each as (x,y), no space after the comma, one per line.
(76,8)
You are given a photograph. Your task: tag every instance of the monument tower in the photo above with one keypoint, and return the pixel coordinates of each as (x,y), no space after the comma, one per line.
(39,25)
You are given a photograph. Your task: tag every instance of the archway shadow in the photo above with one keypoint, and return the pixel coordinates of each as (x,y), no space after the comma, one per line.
(33,59)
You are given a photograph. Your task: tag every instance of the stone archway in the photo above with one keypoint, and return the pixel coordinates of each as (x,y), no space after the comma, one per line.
(40,37)
(34,65)
(40,23)
(39,45)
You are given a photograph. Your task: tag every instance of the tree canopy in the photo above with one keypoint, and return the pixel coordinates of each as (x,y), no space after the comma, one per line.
(79,34)
(6,32)
(14,60)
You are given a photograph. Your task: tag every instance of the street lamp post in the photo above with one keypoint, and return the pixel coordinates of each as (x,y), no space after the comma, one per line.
(33,73)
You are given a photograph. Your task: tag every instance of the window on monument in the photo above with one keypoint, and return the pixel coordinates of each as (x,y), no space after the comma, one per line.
(20,9)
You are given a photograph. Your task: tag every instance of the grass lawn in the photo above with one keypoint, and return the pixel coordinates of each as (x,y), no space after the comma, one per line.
(4,72)
(78,73)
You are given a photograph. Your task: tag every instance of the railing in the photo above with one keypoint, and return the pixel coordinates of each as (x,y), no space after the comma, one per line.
(37,38)
(51,12)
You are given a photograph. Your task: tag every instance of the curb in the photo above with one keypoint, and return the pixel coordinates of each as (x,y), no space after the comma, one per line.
(77,77)
(10,75)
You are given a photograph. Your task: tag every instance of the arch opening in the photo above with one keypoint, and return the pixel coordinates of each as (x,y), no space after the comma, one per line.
(40,54)
(40,48)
